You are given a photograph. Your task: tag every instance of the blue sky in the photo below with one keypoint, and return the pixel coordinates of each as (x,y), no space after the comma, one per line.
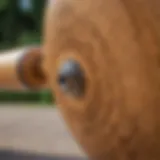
(25,4)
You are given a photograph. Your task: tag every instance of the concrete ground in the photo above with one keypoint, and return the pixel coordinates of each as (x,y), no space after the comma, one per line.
(33,133)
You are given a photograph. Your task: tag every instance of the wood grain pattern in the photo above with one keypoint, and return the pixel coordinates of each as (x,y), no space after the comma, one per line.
(117,42)
(20,69)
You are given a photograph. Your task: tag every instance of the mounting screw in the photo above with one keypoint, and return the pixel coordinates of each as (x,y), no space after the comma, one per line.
(71,78)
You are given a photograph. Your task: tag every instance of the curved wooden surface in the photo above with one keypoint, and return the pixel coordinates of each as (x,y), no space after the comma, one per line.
(21,69)
(117,43)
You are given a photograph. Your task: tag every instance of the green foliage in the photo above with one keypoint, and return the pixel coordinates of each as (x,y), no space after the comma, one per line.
(38,9)
(46,97)
(3,4)
(19,96)
(15,21)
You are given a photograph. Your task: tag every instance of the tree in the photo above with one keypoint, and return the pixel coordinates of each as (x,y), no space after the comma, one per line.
(15,21)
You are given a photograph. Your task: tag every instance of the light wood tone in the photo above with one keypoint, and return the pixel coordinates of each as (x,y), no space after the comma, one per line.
(25,59)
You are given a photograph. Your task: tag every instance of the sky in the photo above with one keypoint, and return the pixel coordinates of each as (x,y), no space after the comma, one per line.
(25,4)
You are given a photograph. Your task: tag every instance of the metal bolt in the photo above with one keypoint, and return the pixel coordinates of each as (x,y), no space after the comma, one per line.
(71,78)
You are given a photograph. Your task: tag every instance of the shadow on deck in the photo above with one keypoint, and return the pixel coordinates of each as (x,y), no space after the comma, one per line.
(16,155)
